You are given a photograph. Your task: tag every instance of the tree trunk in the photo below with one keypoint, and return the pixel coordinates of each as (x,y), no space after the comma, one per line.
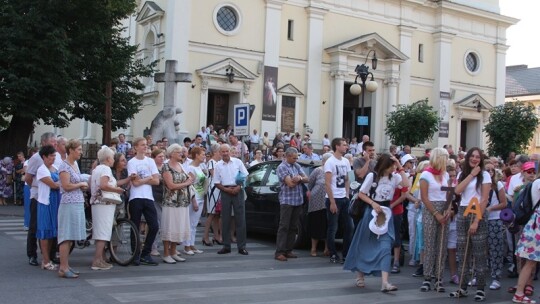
(15,137)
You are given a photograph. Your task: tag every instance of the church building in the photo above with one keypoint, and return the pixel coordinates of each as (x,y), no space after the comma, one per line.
(295,61)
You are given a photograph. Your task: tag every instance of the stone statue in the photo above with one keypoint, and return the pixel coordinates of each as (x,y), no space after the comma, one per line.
(166,122)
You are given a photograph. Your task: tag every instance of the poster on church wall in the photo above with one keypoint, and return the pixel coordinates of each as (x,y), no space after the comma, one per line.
(444,114)
(270,93)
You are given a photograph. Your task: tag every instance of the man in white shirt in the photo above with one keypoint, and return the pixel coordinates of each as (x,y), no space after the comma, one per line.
(225,178)
(143,173)
(337,193)
(254,141)
(204,135)
(34,163)
(61,152)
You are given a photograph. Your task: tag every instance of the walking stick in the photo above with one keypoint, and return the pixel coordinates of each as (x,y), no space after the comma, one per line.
(465,255)
(439,270)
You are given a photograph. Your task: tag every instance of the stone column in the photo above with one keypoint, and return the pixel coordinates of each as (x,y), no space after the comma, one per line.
(337,100)
(442,65)
(500,49)
(405,46)
(271,52)
(391,87)
(314,73)
(203,101)
(177,30)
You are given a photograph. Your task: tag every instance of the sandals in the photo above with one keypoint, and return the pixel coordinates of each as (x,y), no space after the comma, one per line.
(439,287)
(529,290)
(460,293)
(495,285)
(360,282)
(68,274)
(49,266)
(523,299)
(426,286)
(387,287)
(480,296)
(395,269)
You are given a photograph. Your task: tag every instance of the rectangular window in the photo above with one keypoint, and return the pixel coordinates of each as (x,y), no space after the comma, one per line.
(288,111)
(420,53)
(290,30)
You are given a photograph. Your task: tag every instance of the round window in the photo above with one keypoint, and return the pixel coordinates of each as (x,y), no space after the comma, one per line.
(227,18)
(472,62)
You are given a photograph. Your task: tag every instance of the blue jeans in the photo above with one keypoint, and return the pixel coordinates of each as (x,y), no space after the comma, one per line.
(141,206)
(342,218)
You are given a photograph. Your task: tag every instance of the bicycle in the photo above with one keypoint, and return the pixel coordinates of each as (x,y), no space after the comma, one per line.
(123,248)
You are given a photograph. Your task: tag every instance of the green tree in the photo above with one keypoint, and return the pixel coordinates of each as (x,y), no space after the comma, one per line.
(412,124)
(510,128)
(55,60)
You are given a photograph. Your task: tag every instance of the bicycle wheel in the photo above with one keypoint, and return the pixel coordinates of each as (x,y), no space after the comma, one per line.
(123,246)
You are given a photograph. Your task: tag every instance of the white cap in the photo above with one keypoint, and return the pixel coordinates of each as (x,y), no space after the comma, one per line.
(405,158)
(382,229)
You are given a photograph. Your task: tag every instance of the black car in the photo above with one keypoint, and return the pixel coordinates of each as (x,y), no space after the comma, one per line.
(262,202)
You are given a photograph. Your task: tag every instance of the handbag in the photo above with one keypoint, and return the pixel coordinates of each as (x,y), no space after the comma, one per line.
(108,197)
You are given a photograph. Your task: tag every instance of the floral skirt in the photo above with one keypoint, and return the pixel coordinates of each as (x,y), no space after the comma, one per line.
(528,246)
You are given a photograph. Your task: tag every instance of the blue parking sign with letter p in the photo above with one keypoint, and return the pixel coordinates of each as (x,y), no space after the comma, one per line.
(241,119)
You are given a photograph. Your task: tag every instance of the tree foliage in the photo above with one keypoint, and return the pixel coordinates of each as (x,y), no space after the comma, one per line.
(510,128)
(55,60)
(412,124)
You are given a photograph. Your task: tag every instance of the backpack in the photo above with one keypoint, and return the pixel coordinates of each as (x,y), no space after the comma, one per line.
(523,207)
(357,207)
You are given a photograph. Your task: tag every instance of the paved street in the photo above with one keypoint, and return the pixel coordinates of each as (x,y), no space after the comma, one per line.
(204,278)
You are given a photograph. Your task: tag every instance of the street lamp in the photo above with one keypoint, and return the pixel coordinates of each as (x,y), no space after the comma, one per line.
(362,71)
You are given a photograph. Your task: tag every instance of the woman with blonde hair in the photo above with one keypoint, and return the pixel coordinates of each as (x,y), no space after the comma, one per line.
(175,205)
(436,219)
(71,220)
(102,179)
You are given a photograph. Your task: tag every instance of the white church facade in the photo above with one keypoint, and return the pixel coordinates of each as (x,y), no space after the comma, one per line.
(295,60)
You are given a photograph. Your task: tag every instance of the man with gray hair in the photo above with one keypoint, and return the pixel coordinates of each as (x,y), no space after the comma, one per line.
(291,198)
(228,179)
(61,152)
(34,163)
(308,153)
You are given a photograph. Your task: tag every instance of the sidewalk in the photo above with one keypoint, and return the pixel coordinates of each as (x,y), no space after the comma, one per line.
(12,210)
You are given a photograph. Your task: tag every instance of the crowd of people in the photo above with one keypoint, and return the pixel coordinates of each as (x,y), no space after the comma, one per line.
(166,188)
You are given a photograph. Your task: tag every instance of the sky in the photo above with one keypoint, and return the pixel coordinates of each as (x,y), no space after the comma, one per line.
(522,37)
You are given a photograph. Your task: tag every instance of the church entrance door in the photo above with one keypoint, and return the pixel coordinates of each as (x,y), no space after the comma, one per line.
(218,110)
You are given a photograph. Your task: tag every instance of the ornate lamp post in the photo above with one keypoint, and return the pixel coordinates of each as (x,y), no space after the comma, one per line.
(363,72)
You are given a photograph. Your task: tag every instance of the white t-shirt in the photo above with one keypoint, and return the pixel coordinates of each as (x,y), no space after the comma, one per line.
(143,168)
(385,187)
(33,165)
(515,181)
(254,162)
(535,192)
(57,159)
(339,169)
(435,194)
(254,138)
(326,142)
(43,191)
(495,215)
(471,191)
(25,165)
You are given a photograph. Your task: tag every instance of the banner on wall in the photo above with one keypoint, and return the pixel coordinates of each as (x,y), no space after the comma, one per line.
(270,93)
(444,113)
